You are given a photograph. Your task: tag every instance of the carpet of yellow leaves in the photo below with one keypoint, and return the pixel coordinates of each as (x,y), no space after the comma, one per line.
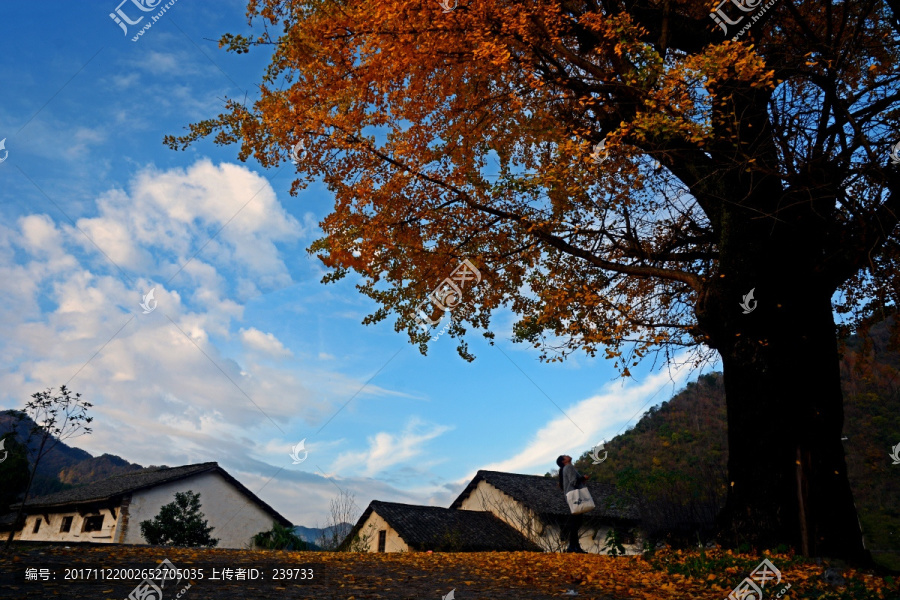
(496,575)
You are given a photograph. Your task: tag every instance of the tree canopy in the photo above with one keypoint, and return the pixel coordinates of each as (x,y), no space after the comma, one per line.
(469,135)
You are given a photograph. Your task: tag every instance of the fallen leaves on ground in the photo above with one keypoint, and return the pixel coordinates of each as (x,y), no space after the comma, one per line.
(496,575)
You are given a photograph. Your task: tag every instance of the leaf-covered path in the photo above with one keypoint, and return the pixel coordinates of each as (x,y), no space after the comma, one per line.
(513,576)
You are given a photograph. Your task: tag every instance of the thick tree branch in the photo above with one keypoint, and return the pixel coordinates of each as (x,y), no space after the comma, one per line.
(862,239)
(539,232)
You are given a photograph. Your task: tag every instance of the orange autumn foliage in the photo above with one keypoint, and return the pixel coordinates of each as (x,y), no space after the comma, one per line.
(469,133)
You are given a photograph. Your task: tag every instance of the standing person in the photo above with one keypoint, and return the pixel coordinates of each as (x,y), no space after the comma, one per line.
(570,479)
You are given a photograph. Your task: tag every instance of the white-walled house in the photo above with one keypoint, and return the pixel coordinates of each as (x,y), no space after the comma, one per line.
(395,527)
(537,508)
(110,511)
(496,512)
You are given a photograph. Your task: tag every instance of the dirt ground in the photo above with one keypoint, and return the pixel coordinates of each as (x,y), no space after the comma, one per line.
(100,573)
(334,576)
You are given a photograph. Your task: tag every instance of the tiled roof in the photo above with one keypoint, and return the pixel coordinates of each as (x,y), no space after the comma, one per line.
(542,495)
(127,483)
(6,521)
(435,528)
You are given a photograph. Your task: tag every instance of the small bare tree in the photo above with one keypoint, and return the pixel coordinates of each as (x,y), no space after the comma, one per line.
(524,520)
(362,539)
(343,513)
(54,419)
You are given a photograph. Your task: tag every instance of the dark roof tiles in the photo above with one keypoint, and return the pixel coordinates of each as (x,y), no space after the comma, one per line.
(542,494)
(120,484)
(435,528)
(127,483)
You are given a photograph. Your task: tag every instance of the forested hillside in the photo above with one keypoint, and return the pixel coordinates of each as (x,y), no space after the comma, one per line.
(872,429)
(65,466)
(96,468)
(674,460)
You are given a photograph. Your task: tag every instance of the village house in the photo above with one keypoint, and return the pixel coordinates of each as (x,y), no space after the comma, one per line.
(110,511)
(496,511)
(536,507)
(394,527)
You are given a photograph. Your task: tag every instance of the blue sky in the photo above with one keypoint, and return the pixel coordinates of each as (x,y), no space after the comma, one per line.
(246,352)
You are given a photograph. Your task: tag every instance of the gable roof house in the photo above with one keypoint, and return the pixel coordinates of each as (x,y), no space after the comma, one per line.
(536,507)
(395,527)
(110,511)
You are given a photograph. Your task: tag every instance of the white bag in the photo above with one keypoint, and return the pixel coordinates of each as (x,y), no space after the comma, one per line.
(580,501)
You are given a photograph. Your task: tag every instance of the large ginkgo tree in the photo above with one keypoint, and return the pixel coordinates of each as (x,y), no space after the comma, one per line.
(628,176)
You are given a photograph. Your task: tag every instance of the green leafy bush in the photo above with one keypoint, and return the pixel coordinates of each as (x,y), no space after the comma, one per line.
(179,524)
(279,538)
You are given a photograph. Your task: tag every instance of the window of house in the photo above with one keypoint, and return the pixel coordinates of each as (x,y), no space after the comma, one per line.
(66,525)
(37,525)
(93,523)
(382,538)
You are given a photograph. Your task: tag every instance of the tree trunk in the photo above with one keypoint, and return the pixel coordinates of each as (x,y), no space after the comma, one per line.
(21,509)
(786,470)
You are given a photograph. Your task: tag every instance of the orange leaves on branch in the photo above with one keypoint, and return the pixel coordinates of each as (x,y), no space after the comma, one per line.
(469,134)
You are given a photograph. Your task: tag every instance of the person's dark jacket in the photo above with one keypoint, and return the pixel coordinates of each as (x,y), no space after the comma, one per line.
(572,479)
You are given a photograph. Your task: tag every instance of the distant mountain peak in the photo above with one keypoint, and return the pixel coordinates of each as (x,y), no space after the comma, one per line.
(64,466)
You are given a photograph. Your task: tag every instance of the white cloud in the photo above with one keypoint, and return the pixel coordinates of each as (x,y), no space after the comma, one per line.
(204,215)
(162,388)
(81,140)
(175,63)
(265,343)
(589,421)
(305,495)
(387,450)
